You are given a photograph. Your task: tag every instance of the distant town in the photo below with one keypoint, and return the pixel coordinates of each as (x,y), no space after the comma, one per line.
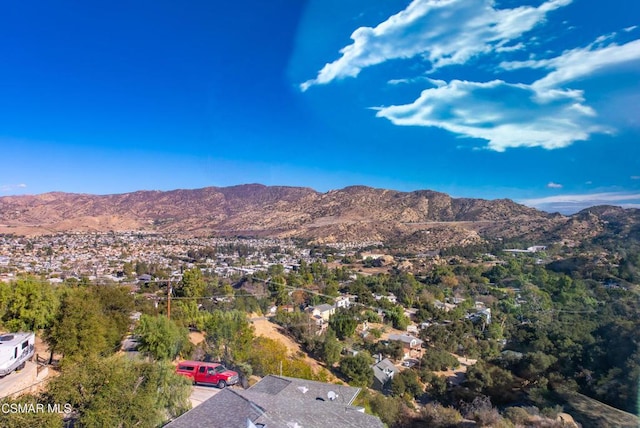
(438,337)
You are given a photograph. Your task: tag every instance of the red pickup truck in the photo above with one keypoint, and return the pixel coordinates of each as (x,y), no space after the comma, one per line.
(207,373)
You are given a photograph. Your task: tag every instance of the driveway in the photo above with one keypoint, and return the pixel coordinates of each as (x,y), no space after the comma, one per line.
(19,381)
(202,393)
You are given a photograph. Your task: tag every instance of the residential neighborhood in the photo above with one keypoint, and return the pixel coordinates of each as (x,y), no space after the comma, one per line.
(320,326)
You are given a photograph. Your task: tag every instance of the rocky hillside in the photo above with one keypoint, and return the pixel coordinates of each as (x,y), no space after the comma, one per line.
(423,219)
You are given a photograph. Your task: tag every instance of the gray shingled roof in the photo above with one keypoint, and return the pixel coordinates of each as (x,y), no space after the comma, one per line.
(294,387)
(324,307)
(225,409)
(304,413)
(271,385)
(379,370)
(280,402)
(404,338)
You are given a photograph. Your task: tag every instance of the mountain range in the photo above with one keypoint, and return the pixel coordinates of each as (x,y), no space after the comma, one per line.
(418,220)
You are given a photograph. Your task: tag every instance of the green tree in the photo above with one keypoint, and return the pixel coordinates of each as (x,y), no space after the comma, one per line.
(117,304)
(331,348)
(435,359)
(344,323)
(277,288)
(395,315)
(192,284)
(31,305)
(358,369)
(27,419)
(411,382)
(534,365)
(270,356)
(388,409)
(398,387)
(436,385)
(160,337)
(80,327)
(119,392)
(230,335)
(492,381)
(127,269)
(267,356)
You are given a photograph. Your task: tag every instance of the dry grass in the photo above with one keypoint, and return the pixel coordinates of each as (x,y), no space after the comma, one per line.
(593,413)
(272,331)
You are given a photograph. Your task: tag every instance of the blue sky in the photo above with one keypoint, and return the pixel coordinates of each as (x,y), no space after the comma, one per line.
(533,100)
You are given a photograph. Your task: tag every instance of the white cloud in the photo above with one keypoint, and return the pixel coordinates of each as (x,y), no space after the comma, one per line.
(577,63)
(520,115)
(5,188)
(552,185)
(547,113)
(601,198)
(635,177)
(630,29)
(444,32)
(407,80)
(506,115)
(574,203)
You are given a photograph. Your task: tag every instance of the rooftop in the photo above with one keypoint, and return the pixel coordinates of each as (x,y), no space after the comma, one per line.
(278,401)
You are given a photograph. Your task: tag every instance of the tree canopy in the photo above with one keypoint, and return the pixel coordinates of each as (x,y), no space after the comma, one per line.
(160,337)
(230,335)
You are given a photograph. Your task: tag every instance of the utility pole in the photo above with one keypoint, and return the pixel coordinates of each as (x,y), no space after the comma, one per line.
(169,299)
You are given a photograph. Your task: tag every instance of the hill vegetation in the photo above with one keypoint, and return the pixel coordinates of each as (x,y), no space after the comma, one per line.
(413,221)
(508,338)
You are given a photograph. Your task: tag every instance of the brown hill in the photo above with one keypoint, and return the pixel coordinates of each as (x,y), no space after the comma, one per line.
(423,219)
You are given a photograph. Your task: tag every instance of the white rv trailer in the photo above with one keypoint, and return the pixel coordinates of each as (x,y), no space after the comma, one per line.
(15,350)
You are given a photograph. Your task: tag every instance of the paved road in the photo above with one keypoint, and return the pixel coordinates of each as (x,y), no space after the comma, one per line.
(17,381)
(201,393)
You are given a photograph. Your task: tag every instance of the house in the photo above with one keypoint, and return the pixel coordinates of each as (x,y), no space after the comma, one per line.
(383,373)
(390,297)
(482,315)
(443,306)
(320,316)
(324,311)
(343,301)
(411,345)
(278,401)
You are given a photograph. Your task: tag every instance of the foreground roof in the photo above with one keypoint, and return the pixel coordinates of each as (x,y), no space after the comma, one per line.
(280,402)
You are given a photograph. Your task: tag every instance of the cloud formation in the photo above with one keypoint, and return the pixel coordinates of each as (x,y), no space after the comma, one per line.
(541,114)
(577,63)
(545,111)
(444,32)
(5,188)
(504,114)
(552,185)
(569,204)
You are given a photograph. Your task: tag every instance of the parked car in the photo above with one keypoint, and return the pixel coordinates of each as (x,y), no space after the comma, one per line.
(207,373)
(410,363)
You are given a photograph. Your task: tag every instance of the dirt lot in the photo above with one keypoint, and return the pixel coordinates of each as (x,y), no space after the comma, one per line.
(196,337)
(266,328)
(457,376)
(386,330)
